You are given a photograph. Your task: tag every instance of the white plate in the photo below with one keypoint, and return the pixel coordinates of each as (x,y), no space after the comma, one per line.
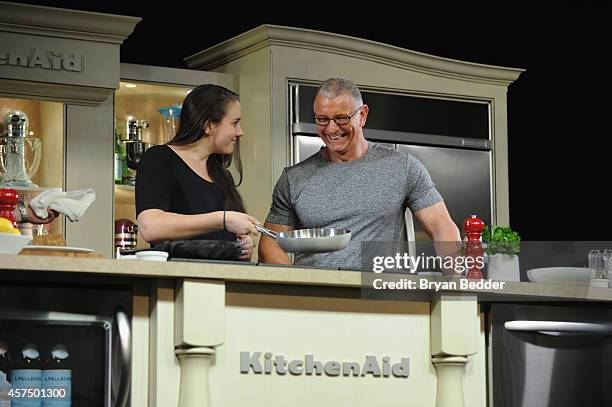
(561,275)
(59,249)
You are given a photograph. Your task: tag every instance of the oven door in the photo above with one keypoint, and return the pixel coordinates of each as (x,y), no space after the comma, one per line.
(551,355)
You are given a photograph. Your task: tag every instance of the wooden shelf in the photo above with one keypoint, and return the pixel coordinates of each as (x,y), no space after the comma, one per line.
(125,194)
(28,189)
(28,192)
(125,187)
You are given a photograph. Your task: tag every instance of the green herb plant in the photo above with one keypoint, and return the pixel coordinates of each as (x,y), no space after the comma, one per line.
(501,240)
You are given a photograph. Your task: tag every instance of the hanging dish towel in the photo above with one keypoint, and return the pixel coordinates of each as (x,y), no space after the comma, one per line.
(73,204)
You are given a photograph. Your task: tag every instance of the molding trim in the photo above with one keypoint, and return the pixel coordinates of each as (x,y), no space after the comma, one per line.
(64,23)
(272,35)
(70,94)
(175,76)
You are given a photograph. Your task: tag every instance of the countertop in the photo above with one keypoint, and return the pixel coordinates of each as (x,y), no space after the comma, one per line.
(289,275)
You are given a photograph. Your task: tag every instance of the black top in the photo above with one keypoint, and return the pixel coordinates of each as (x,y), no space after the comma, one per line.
(164,181)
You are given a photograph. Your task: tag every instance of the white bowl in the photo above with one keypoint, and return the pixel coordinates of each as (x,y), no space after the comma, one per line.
(561,275)
(150,255)
(12,244)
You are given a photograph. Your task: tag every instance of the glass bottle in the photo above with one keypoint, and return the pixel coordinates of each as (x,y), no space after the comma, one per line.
(57,378)
(5,356)
(5,365)
(120,165)
(27,374)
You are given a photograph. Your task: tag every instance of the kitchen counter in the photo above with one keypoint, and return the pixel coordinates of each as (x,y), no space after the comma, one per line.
(198,312)
(266,274)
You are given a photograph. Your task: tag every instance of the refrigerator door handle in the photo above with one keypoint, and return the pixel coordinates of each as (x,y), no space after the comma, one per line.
(560,328)
(122,323)
(410,237)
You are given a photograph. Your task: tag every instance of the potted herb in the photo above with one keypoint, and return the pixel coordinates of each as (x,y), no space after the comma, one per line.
(502,245)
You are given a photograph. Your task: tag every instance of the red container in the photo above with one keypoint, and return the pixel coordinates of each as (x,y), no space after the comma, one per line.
(8,201)
(473,227)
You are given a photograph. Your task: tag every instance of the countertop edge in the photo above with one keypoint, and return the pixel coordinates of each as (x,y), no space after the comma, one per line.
(252,273)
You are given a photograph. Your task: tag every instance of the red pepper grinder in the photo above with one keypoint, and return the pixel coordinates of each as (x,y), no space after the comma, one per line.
(8,201)
(473,227)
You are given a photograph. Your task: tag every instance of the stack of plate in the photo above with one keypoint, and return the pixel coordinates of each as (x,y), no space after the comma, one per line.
(561,275)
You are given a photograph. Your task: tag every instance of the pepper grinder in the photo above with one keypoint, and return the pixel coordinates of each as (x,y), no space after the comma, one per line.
(8,201)
(473,227)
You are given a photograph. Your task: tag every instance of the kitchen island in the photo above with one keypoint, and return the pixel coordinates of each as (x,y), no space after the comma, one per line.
(221,333)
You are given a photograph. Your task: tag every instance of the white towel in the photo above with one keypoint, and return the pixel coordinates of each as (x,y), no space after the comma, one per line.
(73,204)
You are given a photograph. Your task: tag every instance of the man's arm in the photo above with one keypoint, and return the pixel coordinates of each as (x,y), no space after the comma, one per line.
(269,251)
(439,226)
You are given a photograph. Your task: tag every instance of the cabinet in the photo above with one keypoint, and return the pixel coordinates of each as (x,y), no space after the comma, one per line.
(45,122)
(143,91)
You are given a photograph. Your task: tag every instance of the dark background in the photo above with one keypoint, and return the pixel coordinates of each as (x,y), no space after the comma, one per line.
(559,110)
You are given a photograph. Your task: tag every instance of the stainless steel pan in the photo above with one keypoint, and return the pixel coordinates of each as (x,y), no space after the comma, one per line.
(319,240)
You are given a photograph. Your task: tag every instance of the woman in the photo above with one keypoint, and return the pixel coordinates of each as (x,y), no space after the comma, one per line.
(184,189)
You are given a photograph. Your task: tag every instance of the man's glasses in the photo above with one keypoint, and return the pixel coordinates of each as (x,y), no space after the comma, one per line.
(340,120)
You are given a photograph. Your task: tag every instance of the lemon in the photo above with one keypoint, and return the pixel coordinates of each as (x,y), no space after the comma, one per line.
(6,226)
(16,231)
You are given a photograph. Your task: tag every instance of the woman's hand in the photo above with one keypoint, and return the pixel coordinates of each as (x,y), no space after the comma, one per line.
(240,223)
(246,241)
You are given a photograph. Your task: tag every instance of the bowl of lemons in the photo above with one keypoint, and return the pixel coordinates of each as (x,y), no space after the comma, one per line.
(11,241)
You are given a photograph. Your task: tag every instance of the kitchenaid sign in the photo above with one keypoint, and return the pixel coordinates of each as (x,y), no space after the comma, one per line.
(267,363)
(43,58)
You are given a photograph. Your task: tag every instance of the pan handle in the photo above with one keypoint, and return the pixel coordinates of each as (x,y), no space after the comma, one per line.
(269,233)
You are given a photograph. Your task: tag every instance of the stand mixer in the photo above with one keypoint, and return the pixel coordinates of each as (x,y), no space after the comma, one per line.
(19,154)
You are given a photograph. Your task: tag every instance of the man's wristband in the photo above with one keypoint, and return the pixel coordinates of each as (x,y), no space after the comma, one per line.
(23,212)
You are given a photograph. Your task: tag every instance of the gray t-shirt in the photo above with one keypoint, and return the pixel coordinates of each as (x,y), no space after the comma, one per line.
(367,196)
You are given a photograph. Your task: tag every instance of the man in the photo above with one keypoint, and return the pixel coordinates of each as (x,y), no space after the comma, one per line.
(352,184)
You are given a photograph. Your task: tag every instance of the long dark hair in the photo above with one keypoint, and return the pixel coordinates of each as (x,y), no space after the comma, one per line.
(208,104)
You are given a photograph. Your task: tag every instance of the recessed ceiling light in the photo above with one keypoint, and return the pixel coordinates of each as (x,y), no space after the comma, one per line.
(130,85)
